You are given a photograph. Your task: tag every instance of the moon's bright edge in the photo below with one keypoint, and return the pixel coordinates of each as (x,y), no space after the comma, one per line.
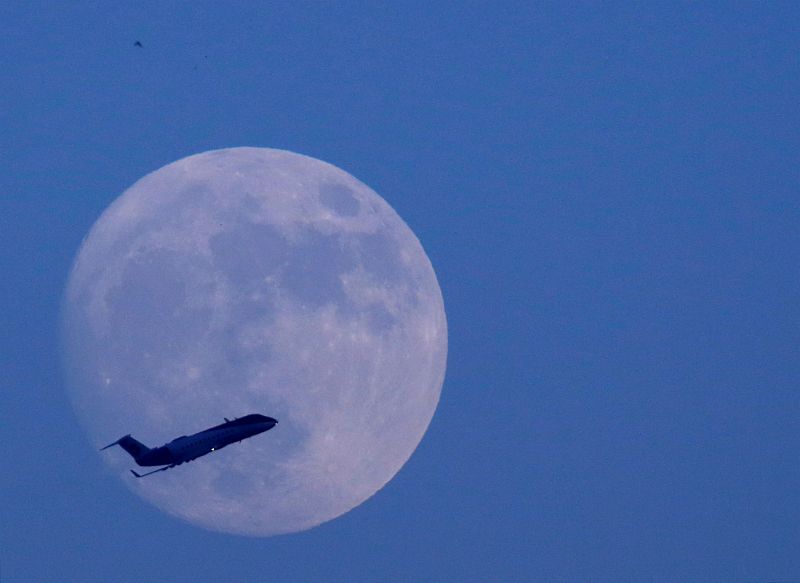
(252,280)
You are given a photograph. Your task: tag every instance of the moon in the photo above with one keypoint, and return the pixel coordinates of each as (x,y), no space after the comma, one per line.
(254,280)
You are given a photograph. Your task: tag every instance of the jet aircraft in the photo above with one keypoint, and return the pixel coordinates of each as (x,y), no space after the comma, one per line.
(189,447)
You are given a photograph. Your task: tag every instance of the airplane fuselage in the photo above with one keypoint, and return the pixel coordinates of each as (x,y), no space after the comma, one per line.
(189,447)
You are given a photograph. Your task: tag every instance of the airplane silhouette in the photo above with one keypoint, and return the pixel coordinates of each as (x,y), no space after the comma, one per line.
(189,447)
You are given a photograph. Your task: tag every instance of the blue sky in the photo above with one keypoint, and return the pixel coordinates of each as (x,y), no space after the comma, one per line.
(609,196)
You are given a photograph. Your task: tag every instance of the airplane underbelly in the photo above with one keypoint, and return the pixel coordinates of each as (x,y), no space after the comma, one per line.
(192,447)
(198,450)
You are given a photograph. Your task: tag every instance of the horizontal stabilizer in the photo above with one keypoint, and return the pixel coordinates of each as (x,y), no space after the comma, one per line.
(136,449)
(115,443)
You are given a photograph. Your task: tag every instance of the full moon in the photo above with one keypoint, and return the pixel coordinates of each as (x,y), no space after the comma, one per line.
(253,280)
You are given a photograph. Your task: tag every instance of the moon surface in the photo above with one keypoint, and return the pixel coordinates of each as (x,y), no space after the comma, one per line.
(253,280)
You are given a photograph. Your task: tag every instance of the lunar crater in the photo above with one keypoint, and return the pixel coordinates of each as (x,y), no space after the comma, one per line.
(339,198)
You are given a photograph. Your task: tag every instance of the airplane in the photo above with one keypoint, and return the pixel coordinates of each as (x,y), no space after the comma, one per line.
(189,447)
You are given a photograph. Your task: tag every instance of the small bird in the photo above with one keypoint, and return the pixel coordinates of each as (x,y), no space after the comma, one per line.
(137,44)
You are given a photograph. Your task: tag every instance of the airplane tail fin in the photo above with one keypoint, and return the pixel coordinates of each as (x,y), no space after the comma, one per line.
(135,448)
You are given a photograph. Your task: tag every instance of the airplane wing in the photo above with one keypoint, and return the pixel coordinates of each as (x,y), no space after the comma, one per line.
(153,472)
